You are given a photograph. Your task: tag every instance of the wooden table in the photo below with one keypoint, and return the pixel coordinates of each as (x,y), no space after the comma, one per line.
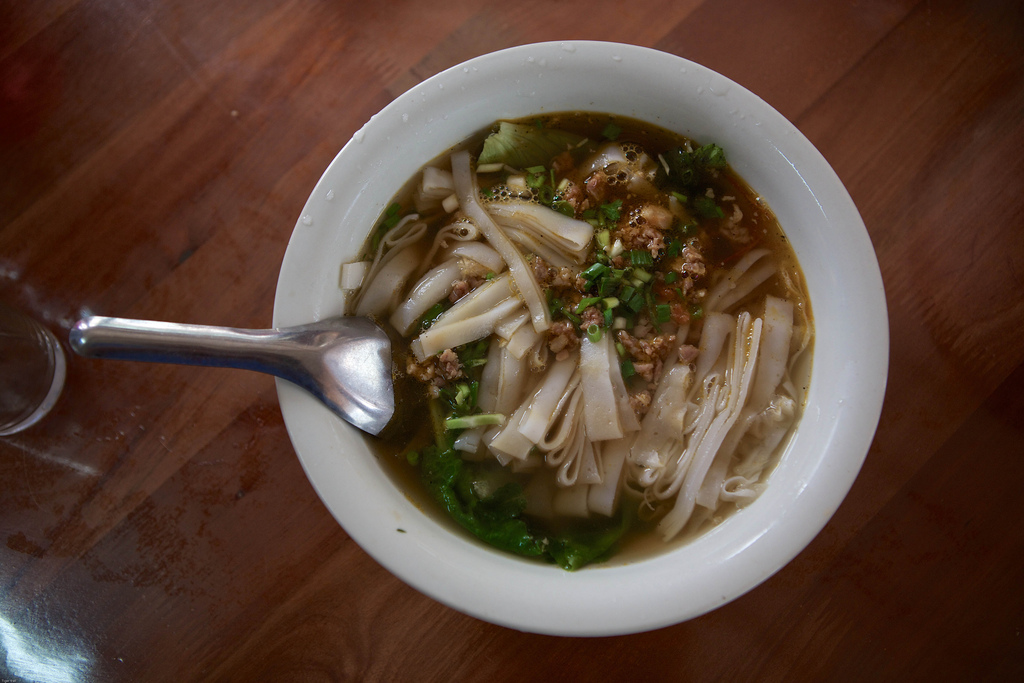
(154,157)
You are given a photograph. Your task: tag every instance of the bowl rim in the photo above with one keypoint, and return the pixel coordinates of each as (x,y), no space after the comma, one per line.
(832,439)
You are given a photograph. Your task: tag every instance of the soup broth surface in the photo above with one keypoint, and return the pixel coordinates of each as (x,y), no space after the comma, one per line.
(632,382)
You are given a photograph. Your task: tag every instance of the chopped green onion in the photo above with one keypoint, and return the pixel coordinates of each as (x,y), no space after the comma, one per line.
(662,313)
(565,208)
(690,229)
(490,276)
(603,238)
(642,275)
(594,333)
(627,293)
(674,248)
(640,257)
(611,302)
(681,197)
(595,271)
(609,317)
(461,394)
(627,369)
(606,286)
(470,421)
(619,324)
(413,458)
(586,302)
(619,348)
(670,277)
(611,131)
(696,312)
(535,169)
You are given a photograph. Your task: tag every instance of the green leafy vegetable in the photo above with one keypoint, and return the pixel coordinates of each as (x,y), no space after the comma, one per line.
(687,170)
(490,506)
(523,146)
(707,207)
(611,131)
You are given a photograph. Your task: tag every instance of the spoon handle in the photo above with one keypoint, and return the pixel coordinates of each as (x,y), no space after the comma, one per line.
(265,351)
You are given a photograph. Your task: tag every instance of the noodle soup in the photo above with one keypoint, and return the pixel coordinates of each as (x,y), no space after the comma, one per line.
(607,326)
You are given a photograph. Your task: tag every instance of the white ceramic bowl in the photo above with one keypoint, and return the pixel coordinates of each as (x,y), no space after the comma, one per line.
(849,365)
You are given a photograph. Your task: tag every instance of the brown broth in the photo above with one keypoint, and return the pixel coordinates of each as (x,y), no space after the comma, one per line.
(639,541)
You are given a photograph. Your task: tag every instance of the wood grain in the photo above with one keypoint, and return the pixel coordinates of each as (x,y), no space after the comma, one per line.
(154,156)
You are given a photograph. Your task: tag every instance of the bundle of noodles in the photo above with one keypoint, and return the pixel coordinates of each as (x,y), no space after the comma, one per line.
(395,261)
(732,418)
(558,239)
(473,317)
(468,193)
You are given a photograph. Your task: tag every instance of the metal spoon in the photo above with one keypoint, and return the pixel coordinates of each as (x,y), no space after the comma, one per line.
(345,362)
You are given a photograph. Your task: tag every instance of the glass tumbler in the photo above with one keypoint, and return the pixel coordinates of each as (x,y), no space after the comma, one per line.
(32,369)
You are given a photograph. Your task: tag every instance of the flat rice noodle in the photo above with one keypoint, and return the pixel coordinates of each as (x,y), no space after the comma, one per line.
(353,274)
(541,410)
(564,422)
(571,501)
(469,441)
(481,300)
(670,479)
(775,345)
(589,468)
(435,185)
(747,284)
(603,498)
(712,302)
(740,490)
(771,425)
(437,284)
(461,230)
(404,235)
(600,406)
(773,355)
(627,417)
(479,252)
(532,244)
(569,457)
(468,192)
(385,288)
(523,340)
(508,441)
(490,379)
(717,327)
(568,236)
(510,324)
(512,382)
(744,357)
(437,339)
(663,426)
